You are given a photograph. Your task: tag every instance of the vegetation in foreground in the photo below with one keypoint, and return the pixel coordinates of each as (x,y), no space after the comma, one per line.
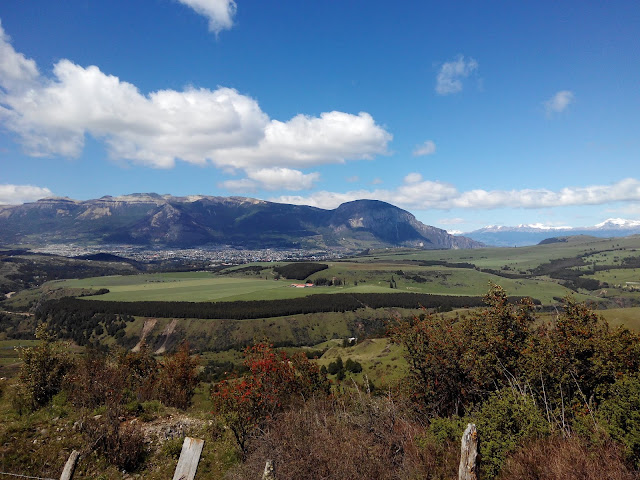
(566,391)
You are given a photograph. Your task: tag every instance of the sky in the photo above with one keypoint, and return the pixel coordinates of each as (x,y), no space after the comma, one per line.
(467,114)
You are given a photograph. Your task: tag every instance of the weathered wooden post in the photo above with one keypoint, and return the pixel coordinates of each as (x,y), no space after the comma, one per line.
(269,472)
(70,466)
(189,459)
(468,454)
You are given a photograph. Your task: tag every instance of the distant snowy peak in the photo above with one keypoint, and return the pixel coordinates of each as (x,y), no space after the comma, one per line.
(531,234)
(610,223)
(532,227)
(620,223)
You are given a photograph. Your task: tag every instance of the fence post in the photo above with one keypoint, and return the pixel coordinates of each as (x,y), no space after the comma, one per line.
(189,459)
(468,454)
(70,466)
(269,472)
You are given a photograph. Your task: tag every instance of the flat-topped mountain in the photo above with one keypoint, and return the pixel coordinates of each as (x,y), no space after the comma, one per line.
(165,220)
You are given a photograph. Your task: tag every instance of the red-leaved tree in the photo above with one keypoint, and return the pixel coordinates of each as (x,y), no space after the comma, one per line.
(274,382)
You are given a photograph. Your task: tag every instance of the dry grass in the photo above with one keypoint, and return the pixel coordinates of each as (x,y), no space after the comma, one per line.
(356,437)
(567,459)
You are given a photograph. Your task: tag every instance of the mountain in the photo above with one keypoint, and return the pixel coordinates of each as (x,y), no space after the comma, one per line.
(522,235)
(150,219)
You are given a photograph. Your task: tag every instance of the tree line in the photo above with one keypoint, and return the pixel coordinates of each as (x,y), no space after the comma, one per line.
(68,307)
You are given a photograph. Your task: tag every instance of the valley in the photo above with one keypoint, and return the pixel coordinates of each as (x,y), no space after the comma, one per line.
(342,315)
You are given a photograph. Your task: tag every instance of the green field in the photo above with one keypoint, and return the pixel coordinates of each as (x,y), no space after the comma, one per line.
(356,278)
(382,361)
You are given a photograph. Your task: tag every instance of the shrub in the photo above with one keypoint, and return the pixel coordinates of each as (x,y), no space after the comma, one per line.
(141,372)
(456,362)
(274,382)
(122,444)
(335,367)
(95,381)
(621,415)
(42,371)
(348,438)
(504,421)
(570,458)
(352,366)
(178,378)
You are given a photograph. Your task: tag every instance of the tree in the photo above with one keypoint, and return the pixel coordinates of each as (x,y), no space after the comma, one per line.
(455,362)
(274,382)
(42,372)
(178,378)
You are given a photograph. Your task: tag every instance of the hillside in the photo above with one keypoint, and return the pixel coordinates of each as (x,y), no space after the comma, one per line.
(164,220)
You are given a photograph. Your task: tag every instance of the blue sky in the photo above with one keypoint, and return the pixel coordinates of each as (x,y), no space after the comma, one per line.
(464,113)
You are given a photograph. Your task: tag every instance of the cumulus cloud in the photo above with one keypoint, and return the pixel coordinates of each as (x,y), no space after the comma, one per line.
(449,79)
(16,71)
(559,102)
(418,194)
(220,13)
(427,148)
(222,127)
(306,141)
(412,178)
(15,194)
(277,178)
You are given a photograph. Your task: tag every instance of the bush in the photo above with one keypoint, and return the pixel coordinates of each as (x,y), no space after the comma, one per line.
(122,444)
(358,437)
(275,381)
(42,371)
(566,459)
(504,421)
(353,366)
(621,415)
(178,378)
(335,367)
(95,381)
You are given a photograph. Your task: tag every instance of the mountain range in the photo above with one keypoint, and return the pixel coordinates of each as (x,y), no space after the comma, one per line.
(150,219)
(522,235)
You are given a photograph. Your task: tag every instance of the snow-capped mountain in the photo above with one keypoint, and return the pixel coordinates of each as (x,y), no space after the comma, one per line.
(531,234)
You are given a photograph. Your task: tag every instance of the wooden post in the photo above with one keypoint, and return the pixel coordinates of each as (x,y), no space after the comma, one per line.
(70,466)
(189,458)
(468,454)
(269,473)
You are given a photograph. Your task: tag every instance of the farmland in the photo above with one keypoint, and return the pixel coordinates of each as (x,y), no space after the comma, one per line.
(523,271)
(222,310)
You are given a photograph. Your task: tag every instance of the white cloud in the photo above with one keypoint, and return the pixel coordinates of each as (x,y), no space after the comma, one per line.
(559,102)
(449,79)
(427,148)
(15,194)
(353,179)
(220,13)
(451,221)
(413,178)
(377,181)
(307,141)
(197,125)
(16,71)
(243,185)
(277,178)
(418,194)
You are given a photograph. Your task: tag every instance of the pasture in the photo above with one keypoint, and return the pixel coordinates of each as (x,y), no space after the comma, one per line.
(354,277)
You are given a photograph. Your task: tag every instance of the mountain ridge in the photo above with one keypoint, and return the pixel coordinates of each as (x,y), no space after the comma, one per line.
(195,220)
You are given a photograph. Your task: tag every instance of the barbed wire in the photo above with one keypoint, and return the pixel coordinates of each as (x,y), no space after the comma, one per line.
(25,476)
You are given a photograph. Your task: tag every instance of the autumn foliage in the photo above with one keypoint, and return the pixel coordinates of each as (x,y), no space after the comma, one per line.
(274,382)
